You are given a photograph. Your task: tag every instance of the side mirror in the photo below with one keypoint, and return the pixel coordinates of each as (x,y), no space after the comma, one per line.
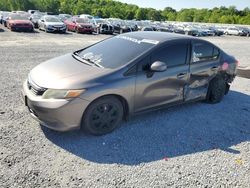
(74,21)
(42,20)
(158,66)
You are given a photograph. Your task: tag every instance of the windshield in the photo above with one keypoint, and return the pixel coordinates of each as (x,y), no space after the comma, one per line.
(116,51)
(5,14)
(52,19)
(18,17)
(81,20)
(100,21)
(65,16)
(36,16)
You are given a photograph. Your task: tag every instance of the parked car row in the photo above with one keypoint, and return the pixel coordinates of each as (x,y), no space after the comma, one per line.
(238,31)
(84,23)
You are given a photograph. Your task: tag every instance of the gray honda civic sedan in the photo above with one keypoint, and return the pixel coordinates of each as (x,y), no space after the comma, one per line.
(95,88)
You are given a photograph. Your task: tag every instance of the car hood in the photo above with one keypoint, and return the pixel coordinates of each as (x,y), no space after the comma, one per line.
(65,72)
(19,21)
(35,20)
(84,24)
(105,24)
(55,23)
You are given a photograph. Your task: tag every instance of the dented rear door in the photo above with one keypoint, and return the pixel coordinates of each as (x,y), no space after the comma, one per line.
(204,66)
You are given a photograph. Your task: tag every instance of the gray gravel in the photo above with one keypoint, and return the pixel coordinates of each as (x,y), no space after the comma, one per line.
(194,145)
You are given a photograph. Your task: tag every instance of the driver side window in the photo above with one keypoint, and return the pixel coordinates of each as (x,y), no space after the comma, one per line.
(172,55)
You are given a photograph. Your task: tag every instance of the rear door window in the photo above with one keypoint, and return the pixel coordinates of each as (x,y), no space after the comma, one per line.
(203,51)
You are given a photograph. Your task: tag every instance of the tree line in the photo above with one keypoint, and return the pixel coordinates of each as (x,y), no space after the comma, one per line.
(115,9)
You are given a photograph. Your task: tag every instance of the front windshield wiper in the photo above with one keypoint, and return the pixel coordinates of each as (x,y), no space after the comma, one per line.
(92,62)
(86,60)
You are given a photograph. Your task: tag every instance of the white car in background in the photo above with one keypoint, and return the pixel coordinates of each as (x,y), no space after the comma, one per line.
(234,31)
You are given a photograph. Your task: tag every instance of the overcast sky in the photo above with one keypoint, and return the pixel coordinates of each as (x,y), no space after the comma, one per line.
(179,4)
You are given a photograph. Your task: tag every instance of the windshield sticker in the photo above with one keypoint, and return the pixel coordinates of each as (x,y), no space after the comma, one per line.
(95,58)
(150,41)
(137,40)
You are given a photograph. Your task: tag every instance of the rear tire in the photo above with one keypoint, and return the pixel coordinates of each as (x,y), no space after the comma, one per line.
(76,30)
(103,115)
(216,90)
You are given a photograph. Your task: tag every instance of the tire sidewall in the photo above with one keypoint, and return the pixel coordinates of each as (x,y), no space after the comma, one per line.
(86,125)
(216,90)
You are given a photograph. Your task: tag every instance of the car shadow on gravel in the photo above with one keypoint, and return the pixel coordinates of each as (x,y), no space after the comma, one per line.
(173,132)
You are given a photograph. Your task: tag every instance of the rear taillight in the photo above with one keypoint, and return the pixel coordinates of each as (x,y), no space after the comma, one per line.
(225,66)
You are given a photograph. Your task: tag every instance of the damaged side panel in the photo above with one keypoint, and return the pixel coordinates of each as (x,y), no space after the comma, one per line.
(200,76)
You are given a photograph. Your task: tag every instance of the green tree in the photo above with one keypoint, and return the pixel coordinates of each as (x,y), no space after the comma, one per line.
(141,14)
(185,15)
(153,14)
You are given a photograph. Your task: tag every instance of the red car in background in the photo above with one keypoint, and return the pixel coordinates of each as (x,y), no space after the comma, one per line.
(79,25)
(19,22)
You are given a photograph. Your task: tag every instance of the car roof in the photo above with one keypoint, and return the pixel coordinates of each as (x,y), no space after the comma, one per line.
(157,36)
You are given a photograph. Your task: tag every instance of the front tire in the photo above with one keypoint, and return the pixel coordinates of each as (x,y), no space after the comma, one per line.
(103,115)
(216,90)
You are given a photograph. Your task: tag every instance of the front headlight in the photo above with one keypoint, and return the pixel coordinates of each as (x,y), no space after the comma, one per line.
(80,26)
(62,93)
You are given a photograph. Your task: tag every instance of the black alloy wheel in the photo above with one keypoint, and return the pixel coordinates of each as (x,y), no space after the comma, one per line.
(103,115)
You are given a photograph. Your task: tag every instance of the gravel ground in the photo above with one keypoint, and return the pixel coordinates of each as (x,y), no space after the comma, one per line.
(194,145)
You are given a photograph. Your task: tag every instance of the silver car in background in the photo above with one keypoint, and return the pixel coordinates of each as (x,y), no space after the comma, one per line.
(51,23)
(99,86)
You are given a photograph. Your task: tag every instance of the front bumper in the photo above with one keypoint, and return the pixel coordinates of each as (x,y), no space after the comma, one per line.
(85,30)
(56,29)
(56,114)
(21,28)
(104,31)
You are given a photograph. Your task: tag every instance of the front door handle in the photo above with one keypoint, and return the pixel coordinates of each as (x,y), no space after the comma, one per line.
(181,75)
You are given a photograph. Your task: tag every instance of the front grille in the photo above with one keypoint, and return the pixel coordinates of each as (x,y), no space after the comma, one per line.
(57,27)
(35,89)
(105,26)
(22,25)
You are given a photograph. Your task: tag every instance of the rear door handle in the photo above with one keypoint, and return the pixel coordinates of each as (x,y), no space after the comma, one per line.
(181,75)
